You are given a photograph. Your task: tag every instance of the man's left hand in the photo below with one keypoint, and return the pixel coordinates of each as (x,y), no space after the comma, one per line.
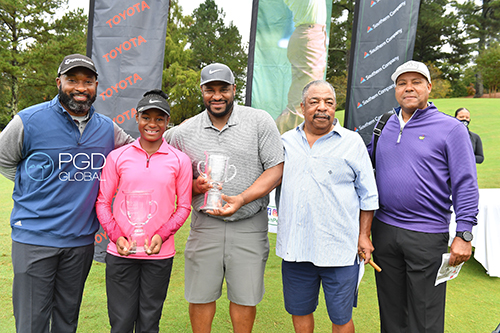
(232,205)
(460,251)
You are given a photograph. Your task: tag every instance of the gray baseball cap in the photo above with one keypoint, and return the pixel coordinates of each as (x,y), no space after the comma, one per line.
(216,72)
(412,66)
(76,60)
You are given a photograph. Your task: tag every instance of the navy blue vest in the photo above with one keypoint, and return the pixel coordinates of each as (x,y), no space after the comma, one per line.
(57,180)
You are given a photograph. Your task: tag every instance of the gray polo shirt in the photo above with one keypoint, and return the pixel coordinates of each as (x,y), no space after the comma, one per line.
(250,139)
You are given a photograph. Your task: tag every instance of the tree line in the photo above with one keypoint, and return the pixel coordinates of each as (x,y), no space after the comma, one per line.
(459,40)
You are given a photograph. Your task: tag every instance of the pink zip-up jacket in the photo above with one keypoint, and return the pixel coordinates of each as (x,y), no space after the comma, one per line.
(167,173)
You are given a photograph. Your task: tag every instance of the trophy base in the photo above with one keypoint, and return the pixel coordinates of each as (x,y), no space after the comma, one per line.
(213,200)
(139,242)
(137,249)
(204,209)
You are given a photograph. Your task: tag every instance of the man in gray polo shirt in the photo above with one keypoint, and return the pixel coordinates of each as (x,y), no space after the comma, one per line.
(230,242)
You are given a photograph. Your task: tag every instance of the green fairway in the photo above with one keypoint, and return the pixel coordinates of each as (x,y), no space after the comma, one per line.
(473,299)
(485,121)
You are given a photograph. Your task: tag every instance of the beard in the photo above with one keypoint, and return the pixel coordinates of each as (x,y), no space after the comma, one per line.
(79,108)
(229,108)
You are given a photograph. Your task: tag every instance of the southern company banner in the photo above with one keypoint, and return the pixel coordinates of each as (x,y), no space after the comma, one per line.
(383,38)
(126,40)
(127,43)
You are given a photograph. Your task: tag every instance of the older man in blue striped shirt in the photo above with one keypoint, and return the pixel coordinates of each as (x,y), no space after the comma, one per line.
(327,198)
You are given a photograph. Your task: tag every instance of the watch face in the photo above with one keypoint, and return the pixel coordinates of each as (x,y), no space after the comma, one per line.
(467,236)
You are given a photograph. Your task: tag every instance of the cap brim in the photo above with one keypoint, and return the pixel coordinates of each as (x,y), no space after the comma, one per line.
(395,76)
(76,66)
(216,80)
(149,107)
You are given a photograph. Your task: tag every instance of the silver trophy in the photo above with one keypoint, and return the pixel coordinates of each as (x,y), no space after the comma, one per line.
(139,208)
(216,170)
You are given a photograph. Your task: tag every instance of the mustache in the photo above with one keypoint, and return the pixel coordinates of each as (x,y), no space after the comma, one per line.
(321,115)
(78,94)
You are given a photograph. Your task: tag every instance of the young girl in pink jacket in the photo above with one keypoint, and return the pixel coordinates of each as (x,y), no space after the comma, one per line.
(148,183)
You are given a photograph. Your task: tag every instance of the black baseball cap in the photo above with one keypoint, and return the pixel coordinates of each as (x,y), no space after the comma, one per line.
(154,99)
(76,60)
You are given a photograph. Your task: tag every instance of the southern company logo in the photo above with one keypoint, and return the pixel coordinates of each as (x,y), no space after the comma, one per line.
(366,55)
(359,105)
(373,3)
(362,80)
(39,166)
(387,17)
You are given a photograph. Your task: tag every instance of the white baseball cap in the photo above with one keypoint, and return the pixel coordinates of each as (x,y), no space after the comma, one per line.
(412,66)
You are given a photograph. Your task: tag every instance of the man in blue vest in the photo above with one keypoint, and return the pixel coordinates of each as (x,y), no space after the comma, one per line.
(54,152)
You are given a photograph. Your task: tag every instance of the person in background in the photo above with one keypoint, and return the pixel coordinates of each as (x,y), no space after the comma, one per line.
(54,152)
(463,115)
(307,53)
(424,164)
(229,243)
(137,278)
(328,195)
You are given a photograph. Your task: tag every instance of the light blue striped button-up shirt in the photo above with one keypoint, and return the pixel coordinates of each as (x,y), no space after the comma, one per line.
(322,192)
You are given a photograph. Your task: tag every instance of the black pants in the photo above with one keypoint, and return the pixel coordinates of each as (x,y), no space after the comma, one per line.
(48,286)
(407,297)
(136,290)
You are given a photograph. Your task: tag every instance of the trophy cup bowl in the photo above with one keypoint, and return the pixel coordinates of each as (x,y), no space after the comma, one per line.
(216,172)
(139,208)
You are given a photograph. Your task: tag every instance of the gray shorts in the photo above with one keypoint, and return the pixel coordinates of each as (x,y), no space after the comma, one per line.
(236,250)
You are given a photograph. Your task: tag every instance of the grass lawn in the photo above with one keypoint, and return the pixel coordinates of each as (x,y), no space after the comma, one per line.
(473,299)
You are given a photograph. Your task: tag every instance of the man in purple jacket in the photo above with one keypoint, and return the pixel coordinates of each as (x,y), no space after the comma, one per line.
(424,164)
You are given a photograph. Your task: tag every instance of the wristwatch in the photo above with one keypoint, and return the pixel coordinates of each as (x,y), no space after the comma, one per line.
(465,235)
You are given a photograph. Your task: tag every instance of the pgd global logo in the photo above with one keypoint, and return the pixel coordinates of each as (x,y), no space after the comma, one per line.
(88,166)
(84,167)
(39,166)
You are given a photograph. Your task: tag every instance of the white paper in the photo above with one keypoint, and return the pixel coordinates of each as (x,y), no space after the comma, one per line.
(361,270)
(447,272)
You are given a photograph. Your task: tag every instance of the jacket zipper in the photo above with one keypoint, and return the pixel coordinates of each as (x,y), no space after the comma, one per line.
(400,133)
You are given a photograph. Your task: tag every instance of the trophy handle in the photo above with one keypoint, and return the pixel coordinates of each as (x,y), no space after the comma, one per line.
(199,169)
(229,168)
(122,208)
(155,210)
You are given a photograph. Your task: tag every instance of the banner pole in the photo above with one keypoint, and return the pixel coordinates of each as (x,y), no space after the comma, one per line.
(251,53)
(90,28)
